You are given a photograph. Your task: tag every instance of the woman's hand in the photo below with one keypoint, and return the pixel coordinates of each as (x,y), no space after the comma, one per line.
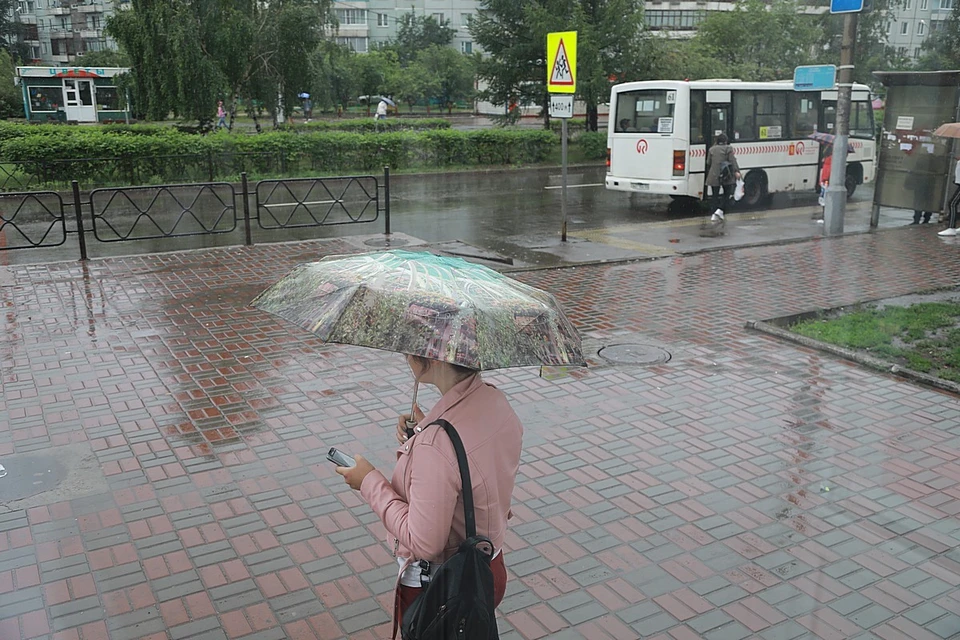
(737,175)
(402,423)
(354,475)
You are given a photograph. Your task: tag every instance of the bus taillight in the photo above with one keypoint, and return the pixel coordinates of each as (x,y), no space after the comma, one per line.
(679,163)
(608,157)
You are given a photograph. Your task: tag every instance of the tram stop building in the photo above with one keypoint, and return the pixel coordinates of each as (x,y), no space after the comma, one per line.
(73,94)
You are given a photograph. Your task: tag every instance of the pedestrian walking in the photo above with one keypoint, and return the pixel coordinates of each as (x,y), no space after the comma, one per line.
(951,229)
(221,115)
(824,182)
(722,175)
(917,214)
(421,506)
(381,110)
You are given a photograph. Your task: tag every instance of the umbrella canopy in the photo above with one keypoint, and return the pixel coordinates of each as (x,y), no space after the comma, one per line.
(420,304)
(388,101)
(304,95)
(827,139)
(949,130)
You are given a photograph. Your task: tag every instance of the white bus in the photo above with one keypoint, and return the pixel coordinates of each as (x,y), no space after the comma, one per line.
(658,134)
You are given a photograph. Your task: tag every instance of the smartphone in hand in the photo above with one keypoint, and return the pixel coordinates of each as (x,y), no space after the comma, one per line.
(340,459)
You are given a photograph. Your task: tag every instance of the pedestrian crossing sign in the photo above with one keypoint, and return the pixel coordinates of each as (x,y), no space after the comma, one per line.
(562,62)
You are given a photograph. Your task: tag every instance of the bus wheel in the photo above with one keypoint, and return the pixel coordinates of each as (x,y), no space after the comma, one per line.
(754,189)
(850,183)
(682,204)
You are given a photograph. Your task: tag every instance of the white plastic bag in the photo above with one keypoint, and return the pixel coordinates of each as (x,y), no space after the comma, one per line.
(738,192)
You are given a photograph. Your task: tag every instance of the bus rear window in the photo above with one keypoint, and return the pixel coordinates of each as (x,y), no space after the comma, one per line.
(648,110)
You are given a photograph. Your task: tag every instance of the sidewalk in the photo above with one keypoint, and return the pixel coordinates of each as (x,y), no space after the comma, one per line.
(165,444)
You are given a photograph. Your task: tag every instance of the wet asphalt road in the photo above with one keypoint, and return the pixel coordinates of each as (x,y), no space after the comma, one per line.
(511,215)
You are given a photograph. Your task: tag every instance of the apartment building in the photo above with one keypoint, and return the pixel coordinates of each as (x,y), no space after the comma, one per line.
(914,21)
(368,24)
(57,32)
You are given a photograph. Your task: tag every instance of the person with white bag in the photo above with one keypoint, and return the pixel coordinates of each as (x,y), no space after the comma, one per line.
(723,172)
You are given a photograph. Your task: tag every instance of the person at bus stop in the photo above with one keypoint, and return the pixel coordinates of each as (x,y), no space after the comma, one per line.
(951,229)
(722,175)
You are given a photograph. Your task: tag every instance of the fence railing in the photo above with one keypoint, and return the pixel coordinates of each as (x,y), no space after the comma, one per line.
(33,219)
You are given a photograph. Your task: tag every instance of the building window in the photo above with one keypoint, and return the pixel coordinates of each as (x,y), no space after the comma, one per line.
(108,99)
(907,4)
(904,28)
(466,19)
(923,5)
(946,4)
(438,17)
(936,25)
(466,47)
(921,28)
(44,98)
(25,6)
(352,16)
(916,52)
(902,52)
(382,20)
(673,20)
(357,44)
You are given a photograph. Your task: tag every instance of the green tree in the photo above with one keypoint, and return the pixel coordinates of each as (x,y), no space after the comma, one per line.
(758,40)
(186,54)
(374,70)
(11,97)
(335,75)
(610,45)
(12,32)
(409,84)
(105,58)
(872,53)
(450,74)
(417,33)
(942,48)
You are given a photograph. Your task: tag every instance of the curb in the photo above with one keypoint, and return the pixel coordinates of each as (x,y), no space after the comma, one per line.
(849,354)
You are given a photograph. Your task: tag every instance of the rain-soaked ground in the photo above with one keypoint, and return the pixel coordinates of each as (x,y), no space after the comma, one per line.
(509,217)
(164,450)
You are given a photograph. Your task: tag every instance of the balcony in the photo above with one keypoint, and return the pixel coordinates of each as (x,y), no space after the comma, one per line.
(90,34)
(89,8)
(60,11)
(353,30)
(60,58)
(27,18)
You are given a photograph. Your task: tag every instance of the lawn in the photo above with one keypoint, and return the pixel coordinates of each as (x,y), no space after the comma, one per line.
(924,337)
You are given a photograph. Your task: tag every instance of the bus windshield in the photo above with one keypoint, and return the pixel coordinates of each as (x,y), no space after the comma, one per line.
(647,110)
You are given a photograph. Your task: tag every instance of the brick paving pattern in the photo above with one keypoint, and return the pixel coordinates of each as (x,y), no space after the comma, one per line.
(745,489)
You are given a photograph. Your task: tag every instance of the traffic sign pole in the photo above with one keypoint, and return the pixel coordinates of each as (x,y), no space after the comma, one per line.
(836,196)
(562,78)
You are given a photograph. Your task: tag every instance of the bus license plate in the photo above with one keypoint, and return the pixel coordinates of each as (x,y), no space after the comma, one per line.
(641,186)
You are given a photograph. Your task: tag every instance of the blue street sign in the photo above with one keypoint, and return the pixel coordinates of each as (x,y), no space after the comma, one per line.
(846,6)
(821,77)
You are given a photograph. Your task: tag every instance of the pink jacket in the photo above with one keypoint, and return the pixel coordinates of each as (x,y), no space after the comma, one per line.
(421,507)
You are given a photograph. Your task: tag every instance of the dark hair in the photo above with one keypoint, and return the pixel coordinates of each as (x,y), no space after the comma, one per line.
(722,138)
(459,369)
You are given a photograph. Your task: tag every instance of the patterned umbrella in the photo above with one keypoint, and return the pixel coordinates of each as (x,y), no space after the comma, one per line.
(417,303)
(826,139)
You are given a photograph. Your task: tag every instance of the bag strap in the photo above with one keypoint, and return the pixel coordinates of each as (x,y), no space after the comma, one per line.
(469,517)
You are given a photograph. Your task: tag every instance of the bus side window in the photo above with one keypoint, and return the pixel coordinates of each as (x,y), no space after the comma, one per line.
(697,101)
(829,117)
(744,121)
(804,112)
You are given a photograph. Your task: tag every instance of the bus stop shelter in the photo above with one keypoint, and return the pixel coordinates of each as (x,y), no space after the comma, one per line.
(914,170)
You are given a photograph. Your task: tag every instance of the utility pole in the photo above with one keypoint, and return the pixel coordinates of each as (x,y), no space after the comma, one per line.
(836,196)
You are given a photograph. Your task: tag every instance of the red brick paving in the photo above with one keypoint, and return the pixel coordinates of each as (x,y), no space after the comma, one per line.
(680,501)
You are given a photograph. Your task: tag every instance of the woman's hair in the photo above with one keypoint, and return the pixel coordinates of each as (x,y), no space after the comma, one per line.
(722,138)
(460,370)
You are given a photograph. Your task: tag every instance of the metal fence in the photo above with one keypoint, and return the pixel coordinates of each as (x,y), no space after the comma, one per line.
(32,219)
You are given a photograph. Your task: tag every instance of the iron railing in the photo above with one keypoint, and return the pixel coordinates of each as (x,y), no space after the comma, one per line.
(32,219)
(118,214)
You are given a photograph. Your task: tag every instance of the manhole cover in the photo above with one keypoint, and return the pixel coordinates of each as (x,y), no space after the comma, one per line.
(386,242)
(22,476)
(634,353)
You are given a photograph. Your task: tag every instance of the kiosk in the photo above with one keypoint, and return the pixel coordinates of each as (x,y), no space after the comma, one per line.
(73,94)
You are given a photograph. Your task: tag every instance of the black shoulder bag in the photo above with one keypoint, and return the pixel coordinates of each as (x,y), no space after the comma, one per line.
(457,598)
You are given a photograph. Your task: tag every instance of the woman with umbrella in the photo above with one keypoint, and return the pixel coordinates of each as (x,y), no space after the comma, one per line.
(452,319)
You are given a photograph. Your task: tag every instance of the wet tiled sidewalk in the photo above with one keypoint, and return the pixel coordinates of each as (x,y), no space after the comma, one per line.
(745,489)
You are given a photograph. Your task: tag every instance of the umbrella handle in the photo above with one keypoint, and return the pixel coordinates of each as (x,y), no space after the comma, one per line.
(411,423)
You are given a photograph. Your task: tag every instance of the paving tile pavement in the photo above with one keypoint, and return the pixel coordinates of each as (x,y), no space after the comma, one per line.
(744,489)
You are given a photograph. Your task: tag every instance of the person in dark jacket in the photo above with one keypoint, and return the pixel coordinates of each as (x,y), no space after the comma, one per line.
(722,175)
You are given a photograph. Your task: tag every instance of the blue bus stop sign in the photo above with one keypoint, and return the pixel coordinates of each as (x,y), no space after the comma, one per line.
(846,6)
(821,77)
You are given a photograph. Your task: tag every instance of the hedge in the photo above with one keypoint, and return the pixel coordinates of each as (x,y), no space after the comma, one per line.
(369,125)
(593,144)
(97,157)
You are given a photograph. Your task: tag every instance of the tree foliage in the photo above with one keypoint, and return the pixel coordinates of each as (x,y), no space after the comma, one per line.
(11,98)
(446,75)
(610,45)
(872,53)
(417,33)
(942,48)
(186,54)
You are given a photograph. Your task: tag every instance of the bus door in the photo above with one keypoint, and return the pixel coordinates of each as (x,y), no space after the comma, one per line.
(718,115)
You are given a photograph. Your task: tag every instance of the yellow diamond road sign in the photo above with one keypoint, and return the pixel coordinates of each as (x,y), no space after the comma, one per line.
(562,62)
